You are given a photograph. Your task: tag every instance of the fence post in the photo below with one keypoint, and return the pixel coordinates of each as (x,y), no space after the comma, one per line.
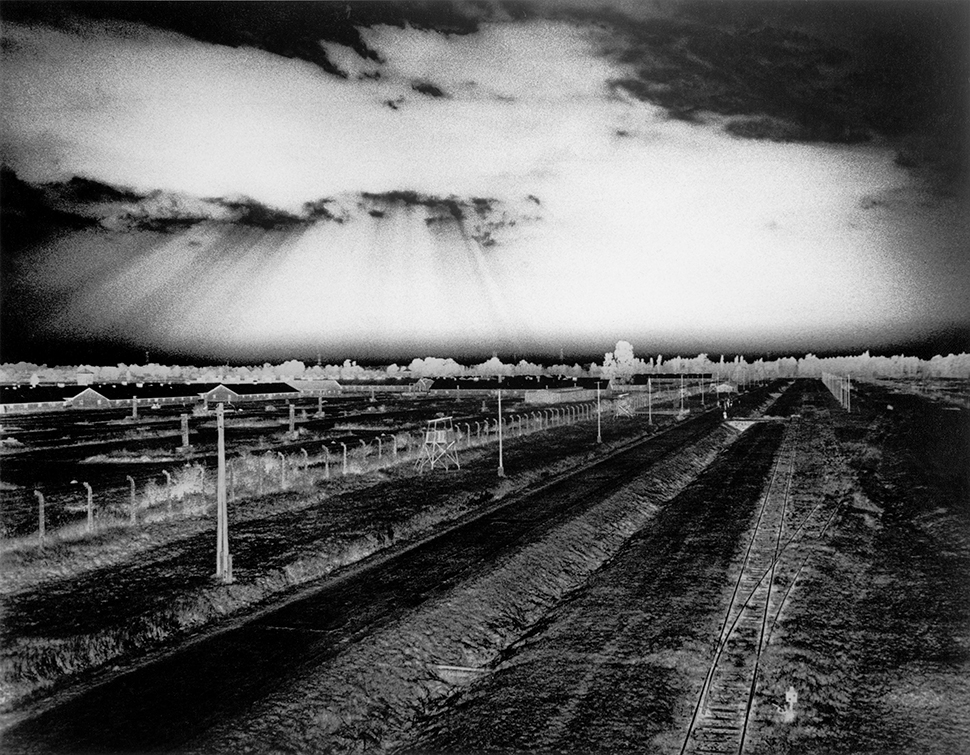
(501,461)
(345,458)
(168,488)
(599,415)
(223,559)
(185,430)
(282,470)
(40,514)
(131,480)
(649,401)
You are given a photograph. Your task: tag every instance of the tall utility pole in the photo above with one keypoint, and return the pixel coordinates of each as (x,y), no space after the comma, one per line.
(223,559)
(599,415)
(501,465)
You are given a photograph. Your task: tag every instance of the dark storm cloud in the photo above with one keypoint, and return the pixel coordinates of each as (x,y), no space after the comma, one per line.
(34,211)
(30,212)
(288,29)
(837,71)
(482,219)
(27,216)
(429,89)
(814,71)
(449,205)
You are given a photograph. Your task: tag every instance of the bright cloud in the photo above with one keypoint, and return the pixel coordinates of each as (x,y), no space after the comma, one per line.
(154,110)
(649,225)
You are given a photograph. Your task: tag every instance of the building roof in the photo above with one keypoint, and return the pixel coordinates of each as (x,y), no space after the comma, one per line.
(324,384)
(512,383)
(379,381)
(127,391)
(90,390)
(252,389)
(668,377)
(25,394)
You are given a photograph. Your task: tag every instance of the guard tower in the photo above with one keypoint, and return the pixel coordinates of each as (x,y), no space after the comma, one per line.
(439,444)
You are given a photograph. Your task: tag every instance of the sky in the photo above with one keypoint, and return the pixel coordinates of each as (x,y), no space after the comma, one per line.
(383,180)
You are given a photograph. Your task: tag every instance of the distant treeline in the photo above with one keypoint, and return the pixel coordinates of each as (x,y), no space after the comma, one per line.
(619,363)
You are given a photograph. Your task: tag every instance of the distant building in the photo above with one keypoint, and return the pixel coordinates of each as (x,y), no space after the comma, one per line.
(84,377)
(89,398)
(559,395)
(316,388)
(41,398)
(523,385)
(379,385)
(232,393)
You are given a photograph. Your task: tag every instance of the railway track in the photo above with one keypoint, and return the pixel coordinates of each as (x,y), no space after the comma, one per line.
(776,555)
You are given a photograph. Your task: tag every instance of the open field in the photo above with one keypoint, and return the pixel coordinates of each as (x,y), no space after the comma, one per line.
(796,584)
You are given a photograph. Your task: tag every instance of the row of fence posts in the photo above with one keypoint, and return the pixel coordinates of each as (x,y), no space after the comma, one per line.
(517,425)
(527,422)
(840,387)
(230,472)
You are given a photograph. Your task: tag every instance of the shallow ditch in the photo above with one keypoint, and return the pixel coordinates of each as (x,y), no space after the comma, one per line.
(372,694)
(611,669)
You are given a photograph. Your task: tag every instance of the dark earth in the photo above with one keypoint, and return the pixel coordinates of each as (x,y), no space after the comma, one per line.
(574,615)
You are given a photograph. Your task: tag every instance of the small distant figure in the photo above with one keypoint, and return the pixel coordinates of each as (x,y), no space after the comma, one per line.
(791,697)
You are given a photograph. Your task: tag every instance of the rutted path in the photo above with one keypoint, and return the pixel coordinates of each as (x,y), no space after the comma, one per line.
(582,519)
(608,665)
(619,666)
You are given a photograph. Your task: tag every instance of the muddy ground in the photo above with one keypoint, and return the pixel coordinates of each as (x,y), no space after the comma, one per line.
(73,607)
(591,631)
(874,638)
